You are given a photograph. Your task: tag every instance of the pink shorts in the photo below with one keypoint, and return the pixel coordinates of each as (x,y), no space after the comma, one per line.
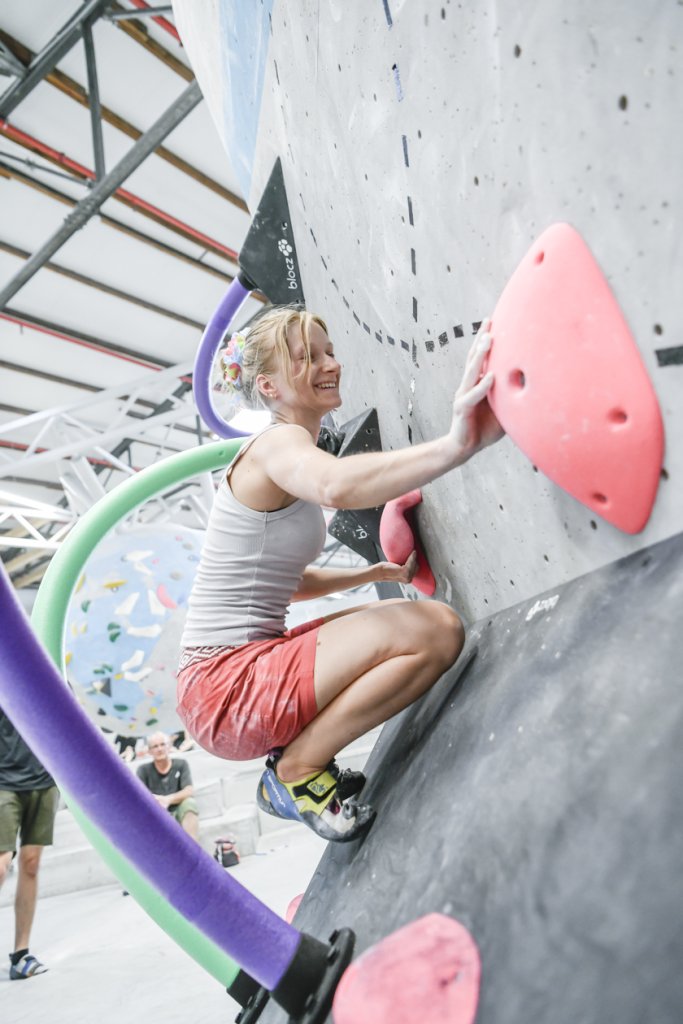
(243,701)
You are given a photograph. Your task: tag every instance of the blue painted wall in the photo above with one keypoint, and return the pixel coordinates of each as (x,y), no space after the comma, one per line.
(245,37)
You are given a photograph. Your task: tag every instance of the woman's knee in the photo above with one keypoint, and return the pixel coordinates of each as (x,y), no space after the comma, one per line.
(447,633)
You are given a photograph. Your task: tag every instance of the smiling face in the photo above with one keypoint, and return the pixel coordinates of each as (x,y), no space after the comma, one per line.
(316,375)
(302,383)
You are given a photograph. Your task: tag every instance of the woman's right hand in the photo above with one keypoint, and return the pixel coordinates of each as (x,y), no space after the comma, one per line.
(474,425)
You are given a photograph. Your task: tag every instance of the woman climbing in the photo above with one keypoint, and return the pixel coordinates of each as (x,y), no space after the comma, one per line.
(246,686)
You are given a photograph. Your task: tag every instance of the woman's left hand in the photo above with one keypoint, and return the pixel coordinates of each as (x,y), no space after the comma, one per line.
(394,573)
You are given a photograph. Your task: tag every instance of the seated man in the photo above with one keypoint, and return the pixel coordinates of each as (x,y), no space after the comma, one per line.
(170,781)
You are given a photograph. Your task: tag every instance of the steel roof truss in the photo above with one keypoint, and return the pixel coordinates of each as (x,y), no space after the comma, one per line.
(104,188)
(66,431)
(48,58)
(95,110)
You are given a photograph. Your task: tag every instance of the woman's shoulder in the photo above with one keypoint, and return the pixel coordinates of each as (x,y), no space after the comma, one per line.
(284,434)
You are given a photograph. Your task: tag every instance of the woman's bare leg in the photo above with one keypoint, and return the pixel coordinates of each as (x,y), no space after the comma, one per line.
(370,664)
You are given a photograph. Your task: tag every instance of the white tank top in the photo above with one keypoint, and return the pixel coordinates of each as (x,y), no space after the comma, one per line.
(250,566)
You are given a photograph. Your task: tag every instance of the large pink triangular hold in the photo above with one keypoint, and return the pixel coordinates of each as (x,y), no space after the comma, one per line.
(426,973)
(570,386)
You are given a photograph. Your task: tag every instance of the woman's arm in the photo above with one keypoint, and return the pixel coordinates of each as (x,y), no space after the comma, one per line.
(317,582)
(294,464)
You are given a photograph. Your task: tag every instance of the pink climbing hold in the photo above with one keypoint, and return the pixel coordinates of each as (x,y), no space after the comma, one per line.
(165,597)
(571,389)
(292,908)
(426,973)
(398,537)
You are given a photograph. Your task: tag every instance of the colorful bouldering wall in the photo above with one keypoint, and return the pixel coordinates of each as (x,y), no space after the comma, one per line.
(124,625)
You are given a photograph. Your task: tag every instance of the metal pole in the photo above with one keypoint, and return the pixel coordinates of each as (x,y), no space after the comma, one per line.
(148,12)
(49,57)
(94,98)
(9,64)
(88,206)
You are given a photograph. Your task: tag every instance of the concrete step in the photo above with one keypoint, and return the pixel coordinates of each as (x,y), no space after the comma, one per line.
(79,866)
(226,798)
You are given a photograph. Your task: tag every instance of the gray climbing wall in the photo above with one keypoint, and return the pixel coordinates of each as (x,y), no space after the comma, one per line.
(535,793)
(424,147)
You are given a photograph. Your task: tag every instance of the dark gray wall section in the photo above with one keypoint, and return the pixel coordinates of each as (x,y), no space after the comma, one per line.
(537,797)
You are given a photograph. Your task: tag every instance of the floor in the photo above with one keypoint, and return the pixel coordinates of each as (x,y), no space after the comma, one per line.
(109,962)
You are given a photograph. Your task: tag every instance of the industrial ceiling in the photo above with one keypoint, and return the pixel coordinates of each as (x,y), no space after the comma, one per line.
(121,224)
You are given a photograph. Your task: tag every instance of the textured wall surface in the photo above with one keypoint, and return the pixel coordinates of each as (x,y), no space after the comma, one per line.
(535,793)
(535,796)
(424,147)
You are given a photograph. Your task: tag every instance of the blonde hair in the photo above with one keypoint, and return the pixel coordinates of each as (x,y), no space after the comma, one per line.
(266,349)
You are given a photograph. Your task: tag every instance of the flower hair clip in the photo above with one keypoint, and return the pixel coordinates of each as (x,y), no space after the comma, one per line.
(231,363)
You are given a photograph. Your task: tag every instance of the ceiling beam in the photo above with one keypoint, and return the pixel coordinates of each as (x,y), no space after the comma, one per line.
(139,32)
(69,87)
(95,111)
(53,378)
(81,386)
(109,348)
(100,286)
(148,12)
(134,202)
(9,65)
(125,394)
(11,173)
(105,188)
(145,10)
(48,58)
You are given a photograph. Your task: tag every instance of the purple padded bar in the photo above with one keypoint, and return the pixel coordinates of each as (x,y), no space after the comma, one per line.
(36,700)
(211,339)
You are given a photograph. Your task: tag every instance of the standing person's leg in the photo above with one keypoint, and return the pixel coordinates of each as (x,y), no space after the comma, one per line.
(26,895)
(368,667)
(5,861)
(39,808)
(10,821)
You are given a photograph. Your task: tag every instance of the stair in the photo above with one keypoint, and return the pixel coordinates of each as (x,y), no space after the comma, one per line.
(225,793)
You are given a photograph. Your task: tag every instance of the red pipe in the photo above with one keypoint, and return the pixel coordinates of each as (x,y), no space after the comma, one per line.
(79,341)
(29,142)
(162,22)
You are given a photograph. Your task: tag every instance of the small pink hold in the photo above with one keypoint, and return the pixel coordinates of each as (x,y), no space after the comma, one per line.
(399,537)
(426,973)
(165,597)
(292,908)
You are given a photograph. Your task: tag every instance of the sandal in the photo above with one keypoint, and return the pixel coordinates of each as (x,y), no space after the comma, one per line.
(26,967)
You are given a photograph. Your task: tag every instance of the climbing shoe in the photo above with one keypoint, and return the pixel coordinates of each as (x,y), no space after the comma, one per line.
(314,801)
(349,782)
